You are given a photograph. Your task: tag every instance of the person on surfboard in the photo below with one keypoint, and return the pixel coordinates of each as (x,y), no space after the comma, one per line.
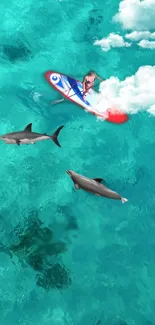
(88,82)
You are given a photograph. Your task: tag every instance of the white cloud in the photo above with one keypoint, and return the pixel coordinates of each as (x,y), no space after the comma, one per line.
(133,94)
(136,15)
(139,17)
(145,44)
(113,40)
(139,35)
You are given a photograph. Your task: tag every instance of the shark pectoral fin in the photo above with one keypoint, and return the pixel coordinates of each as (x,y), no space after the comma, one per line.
(18,142)
(99,180)
(28,128)
(76,186)
(97,194)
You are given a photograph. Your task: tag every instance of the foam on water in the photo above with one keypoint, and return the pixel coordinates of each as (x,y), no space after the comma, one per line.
(132,95)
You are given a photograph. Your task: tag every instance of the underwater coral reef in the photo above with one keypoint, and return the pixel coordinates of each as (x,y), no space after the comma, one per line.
(35,247)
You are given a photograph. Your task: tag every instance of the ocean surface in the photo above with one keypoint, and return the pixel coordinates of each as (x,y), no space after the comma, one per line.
(68,257)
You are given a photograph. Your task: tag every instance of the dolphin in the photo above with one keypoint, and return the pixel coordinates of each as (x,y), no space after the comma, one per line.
(27,136)
(94,186)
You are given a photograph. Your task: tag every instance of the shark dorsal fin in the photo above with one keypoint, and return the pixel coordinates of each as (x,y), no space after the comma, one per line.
(99,180)
(28,128)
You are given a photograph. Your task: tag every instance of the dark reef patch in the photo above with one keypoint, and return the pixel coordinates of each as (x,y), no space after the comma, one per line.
(35,247)
(17,52)
(56,277)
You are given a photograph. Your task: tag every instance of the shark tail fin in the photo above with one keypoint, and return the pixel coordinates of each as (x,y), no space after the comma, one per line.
(54,136)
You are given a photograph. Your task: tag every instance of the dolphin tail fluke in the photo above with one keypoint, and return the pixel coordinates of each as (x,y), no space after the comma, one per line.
(54,136)
(123,199)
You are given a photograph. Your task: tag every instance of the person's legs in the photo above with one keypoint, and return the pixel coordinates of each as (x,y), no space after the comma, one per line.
(87,87)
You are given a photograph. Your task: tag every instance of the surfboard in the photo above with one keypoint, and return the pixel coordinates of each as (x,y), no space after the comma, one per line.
(94,102)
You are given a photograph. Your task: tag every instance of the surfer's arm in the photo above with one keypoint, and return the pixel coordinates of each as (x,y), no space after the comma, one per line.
(99,78)
(84,86)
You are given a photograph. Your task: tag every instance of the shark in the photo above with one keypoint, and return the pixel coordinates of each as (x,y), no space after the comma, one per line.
(26,136)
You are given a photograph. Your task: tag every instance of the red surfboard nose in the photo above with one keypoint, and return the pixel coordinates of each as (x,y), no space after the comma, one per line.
(116,116)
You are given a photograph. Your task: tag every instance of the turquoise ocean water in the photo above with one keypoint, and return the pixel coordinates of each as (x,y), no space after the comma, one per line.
(109,261)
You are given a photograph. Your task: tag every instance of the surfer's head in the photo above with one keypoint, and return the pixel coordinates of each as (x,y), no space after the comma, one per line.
(91,73)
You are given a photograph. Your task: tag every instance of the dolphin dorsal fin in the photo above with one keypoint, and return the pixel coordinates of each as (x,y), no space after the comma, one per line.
(99,180)
(28,128)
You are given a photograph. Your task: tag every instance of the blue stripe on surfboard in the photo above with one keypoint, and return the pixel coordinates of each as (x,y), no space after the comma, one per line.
(74,85)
